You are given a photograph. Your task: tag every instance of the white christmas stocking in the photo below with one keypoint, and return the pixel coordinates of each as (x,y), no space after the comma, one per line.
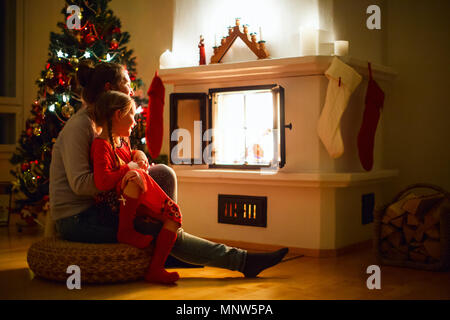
(343,80)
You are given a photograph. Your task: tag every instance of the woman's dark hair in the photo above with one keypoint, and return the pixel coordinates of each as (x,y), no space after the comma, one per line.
(93,79)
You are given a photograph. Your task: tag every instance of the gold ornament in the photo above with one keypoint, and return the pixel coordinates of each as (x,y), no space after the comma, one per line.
(67,110)
(37,130)
(74,60)
(49,74)
(49,90)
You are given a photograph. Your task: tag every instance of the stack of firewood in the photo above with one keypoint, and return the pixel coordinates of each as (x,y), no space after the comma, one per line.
(410,229)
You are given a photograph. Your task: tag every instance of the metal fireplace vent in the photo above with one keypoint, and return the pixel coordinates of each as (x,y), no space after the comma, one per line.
(243,210)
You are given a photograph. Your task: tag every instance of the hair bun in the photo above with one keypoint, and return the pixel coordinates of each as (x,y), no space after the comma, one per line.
(85,72)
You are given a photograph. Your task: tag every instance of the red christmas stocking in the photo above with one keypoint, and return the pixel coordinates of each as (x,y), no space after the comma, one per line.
(366,136)
(155,122)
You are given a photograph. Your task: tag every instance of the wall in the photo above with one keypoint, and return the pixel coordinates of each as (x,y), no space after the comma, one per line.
(417,114)
(349,23)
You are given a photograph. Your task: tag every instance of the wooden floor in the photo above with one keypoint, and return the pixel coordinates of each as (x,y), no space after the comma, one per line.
(343,277)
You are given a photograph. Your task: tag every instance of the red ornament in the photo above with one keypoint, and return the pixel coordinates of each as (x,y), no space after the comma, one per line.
(89,39)
(116,30)
(114,44)
(25,166)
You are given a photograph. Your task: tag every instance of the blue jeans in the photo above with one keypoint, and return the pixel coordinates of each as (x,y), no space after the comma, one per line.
(86,227)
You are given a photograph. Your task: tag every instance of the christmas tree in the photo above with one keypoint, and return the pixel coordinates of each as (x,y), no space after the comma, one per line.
(90,32)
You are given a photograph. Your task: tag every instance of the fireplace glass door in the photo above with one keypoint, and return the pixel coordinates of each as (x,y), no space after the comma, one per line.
(246,123)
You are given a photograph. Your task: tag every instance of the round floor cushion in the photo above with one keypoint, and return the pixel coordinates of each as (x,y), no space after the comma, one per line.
(99,263)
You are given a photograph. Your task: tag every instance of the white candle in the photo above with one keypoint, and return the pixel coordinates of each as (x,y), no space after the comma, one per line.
(215,40)
(260,34)
(309,41)
(166,60)
(341,48)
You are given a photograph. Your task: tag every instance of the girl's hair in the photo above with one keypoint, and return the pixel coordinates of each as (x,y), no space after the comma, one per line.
(104,108)
(93,78)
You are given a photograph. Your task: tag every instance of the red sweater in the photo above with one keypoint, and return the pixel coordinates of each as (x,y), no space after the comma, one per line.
(106,173)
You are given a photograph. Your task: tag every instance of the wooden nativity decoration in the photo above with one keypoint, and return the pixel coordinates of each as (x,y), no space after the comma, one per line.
(257,47)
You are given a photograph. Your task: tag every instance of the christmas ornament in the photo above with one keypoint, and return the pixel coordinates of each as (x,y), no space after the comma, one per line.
(25,166)
(89,39)
(67,110)
(37,130)
(30,181)
(49,90)
(114,44)
(74,60)
(28,216)
(49,74)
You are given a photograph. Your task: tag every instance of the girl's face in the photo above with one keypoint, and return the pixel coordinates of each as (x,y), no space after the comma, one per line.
(123,123)
(125,84)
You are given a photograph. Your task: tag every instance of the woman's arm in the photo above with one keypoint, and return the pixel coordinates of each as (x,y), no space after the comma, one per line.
(106,176)
(74,145)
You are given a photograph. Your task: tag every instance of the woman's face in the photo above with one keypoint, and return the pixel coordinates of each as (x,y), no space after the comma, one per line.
(124,123)
(125,84)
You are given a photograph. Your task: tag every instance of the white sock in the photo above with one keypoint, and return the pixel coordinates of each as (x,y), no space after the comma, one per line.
(336,101)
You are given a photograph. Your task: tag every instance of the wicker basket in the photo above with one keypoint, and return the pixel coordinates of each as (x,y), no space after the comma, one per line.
(444,262)
(99,263)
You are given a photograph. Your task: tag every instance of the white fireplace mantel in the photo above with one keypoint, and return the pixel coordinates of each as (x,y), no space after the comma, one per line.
(267,69)
(303,179)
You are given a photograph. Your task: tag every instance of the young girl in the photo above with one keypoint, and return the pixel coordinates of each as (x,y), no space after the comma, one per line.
(114,166)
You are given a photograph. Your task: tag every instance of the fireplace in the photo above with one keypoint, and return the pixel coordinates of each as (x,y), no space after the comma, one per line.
(315,204)
(236,127)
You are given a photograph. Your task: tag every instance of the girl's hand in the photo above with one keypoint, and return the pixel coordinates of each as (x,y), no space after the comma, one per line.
(139,156)
(143,164)
(141,159)
(133,165)
(134,177)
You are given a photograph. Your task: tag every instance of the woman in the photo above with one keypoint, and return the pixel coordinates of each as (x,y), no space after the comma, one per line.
(72,187)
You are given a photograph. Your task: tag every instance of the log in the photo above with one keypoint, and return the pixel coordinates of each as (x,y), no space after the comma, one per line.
(409,233)
(433,216)
(395,239)
(398,222)
(403,248)
(415,244)
(386,230)
(395,209)
(433,248)
(395,254)
(412,220)
(386,219)
(417,256)
(418,235)
(433,232)
(420,205)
